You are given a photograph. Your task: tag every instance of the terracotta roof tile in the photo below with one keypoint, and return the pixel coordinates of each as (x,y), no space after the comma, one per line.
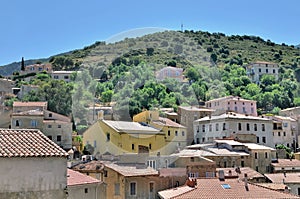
(77,178)
(212,188)
(288,178)
(30,104)
(167,122)
(27,143)
(251,173)
(287,163)
(92,166)
(131,170)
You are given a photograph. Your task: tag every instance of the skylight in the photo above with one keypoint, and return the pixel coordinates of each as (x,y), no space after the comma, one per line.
(226,186)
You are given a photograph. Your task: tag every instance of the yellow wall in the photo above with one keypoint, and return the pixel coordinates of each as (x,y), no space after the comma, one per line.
(121,142)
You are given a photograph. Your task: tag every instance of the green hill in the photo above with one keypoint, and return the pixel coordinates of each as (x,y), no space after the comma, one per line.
(212,62)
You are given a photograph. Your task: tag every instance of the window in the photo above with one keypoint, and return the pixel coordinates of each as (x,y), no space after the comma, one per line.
(132,146)
(259,70)
(274,71)
(49,126)
(263,127)
(285,124)
(151,187)
(105,173)
(248,127)
(107,137)
(176,133)
(133,188)
(235,108)
(284,134)
(182,133)
(59,126)
(255,155)
(117,188)
(257,139)
(210,128)
(239,126)
(256,168)
(226,186)
(150,146)
(17,123)
(255,127)
(264,139)
(50,115)
(33,123)
(267,70)
(203,128)
(50,137)
(86,190)
(192,159)
(279,133)
(217,127)
(266,154)
(66,77)
(151,163)
(58,138)
(244,109)
(198,141)
(169,132)
(224,126)
(242,163)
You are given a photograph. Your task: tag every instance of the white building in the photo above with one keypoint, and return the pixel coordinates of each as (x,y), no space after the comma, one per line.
(231,124)
(256,69)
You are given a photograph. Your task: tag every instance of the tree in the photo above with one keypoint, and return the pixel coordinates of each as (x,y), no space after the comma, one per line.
(22,64)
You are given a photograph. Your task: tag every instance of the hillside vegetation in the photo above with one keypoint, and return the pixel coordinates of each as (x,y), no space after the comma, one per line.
(213,66)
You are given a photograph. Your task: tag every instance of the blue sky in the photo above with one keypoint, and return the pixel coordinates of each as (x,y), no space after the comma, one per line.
(37,29)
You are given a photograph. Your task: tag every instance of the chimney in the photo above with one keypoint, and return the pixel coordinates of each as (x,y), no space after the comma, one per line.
(221,175)
(191,182)
(246,182)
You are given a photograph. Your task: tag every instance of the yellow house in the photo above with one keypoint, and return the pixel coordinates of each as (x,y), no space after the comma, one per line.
(118,137)
(176,135)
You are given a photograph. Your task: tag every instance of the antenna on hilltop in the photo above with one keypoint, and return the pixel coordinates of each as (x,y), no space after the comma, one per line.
(181,27)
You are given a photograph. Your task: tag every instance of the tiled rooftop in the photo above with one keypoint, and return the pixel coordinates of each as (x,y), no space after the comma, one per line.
(92,166)
(232,115)
(131,127)
(193,108)
(30,104)
(212,188)
(250,172)
(288,178)
(131,170)
(76,178)
(167,122)
(27,143)
(287,163)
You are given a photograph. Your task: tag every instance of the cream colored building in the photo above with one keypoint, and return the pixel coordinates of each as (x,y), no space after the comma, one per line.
(234,104)
(186,115)
(256,69)
(62,75)
(34,115)
(230,124)
(32,166)
(175,134)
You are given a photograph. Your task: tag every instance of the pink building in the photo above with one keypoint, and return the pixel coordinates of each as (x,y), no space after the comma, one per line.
(232,103)
(170,72)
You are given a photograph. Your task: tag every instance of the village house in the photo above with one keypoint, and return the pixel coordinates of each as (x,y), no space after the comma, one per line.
(230,153)
(234,104)
(118,137)
(176,135)
(253,176)
(285,165)
(257,69)
(62,75)
(83,186)
(234,125)
(37,68)
(222,187)
(127,179)
(32,166)
(170,72)
(34,115)
(291,180)
(97,112)
(186,115)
